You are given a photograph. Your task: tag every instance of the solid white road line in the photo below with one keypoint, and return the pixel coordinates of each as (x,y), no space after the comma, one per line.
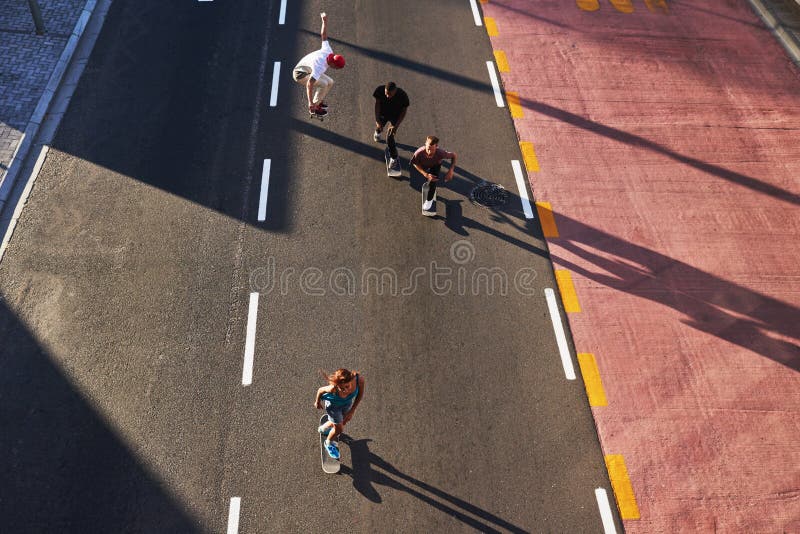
(12,225)
(605,511)
(233,515)
(276,72)
(523,191)
(282,17)
(250,341)
(561,338)
(475,13)
(498,96)
(262,202)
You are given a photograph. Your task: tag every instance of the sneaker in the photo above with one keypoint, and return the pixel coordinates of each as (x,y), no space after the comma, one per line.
(376,136)
(394,167)
(427,208)
(320,112)
(333,449)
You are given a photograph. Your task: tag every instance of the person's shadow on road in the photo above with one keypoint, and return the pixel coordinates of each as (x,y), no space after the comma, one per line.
(370,470)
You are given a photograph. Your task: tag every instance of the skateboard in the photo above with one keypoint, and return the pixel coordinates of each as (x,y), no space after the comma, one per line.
(432,211)
(329,465)
(317,116)
(389,172)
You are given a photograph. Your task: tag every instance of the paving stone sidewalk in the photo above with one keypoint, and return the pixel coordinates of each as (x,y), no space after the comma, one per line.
(28,62)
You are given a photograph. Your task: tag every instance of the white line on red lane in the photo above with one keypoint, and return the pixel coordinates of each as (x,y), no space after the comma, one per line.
(475,13)
(498,95)
(262,202)
(523,191)
(276,72)
(250,341)
(605,511)
(233,515)
(561,338)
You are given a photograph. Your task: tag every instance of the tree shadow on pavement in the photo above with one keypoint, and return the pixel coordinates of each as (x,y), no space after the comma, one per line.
(369,470)
(637,141)
(715,306)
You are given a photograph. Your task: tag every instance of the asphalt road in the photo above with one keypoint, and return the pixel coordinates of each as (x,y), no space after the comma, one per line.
(127,284)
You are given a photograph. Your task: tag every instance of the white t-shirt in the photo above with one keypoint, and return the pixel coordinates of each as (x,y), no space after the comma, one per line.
(317,60)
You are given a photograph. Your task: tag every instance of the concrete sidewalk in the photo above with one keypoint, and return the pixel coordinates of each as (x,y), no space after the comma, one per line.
(661,145)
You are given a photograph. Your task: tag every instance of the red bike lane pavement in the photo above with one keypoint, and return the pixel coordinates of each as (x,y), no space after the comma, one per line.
(664,137)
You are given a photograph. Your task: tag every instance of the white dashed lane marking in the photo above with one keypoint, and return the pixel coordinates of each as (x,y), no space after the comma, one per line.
(561,338)
(250,341)
(498,95)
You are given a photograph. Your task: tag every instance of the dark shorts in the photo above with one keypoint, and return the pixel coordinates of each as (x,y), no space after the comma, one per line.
(336,413)
(383,119)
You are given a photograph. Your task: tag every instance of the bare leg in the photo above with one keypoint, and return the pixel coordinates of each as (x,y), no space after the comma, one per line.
(337,429)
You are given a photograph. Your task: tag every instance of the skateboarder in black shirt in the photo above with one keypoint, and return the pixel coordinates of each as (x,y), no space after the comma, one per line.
(391,104)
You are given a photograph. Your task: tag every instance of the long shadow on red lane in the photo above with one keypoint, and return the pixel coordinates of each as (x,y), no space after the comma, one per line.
(719,308)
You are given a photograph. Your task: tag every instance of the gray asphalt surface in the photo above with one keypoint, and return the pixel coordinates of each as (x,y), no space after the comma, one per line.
(126,285)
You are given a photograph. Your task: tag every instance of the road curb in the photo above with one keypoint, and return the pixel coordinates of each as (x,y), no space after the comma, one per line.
(25,144)
(788,39)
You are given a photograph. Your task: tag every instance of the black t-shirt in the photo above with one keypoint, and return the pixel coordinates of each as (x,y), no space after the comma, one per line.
(391,107)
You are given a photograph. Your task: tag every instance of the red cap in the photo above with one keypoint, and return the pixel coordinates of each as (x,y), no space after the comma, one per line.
(335,60)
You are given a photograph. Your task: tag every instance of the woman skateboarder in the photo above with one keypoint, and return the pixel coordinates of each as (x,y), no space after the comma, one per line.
(428,162)
(340,398)
(310,71)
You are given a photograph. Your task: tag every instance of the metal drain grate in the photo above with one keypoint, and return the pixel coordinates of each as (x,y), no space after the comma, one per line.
(489,195)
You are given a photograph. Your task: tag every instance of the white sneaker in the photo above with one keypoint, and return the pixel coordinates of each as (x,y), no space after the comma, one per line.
(427,207)
(376,136)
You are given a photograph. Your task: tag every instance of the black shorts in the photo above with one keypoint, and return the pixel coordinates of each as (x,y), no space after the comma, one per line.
(383,119)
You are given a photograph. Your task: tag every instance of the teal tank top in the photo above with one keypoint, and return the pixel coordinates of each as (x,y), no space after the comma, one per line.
(336,400)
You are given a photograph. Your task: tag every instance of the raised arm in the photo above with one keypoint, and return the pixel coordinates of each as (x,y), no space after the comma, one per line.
(324,31)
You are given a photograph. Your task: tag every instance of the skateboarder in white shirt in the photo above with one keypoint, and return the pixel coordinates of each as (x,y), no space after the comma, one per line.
(310,71)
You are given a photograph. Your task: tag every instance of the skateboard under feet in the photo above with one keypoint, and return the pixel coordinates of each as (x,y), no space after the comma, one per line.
(329,465)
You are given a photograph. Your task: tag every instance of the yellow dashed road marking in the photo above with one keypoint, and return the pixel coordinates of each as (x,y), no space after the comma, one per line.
(513,104)
(623,490)
(546,218)
(660,4)
(623,6)
(568,295)
(491,26)
(591,379)
(589,5)
(502,61)
(529,155)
